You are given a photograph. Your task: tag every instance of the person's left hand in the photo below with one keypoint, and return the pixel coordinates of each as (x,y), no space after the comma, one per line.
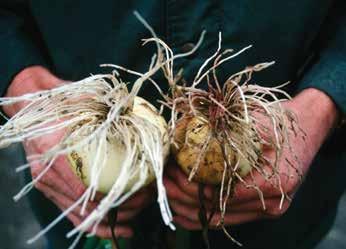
(59,184)
(316,115)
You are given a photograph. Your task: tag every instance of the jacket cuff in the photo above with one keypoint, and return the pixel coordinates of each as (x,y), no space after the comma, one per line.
(329,75)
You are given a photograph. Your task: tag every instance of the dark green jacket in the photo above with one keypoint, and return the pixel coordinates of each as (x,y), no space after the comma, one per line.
(306,38)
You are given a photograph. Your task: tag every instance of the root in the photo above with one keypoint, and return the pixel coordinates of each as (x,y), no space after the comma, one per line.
(98,108)
(94,110)
(112,220)
(141,139)
(202,215)
(235,111)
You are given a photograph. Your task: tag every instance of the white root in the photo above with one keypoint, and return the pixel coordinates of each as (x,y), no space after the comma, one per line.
(89,111)
(96,108)
(86,105)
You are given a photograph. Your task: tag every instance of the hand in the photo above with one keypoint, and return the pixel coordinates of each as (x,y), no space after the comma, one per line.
(59,184)
(316,115)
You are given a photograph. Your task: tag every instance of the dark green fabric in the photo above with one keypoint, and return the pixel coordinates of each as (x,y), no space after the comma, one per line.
(328,73)
(20,42)
(306,38)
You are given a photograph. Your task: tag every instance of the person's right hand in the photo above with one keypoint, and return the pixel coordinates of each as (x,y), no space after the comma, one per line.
(59,184)
(293,164)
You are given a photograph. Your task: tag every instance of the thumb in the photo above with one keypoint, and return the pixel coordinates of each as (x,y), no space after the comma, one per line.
(29,80)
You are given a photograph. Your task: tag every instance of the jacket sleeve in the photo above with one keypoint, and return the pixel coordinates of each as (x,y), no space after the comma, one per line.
(328,73)
(20,44)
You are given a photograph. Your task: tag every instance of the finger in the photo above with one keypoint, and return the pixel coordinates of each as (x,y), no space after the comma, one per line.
(52,179)
(74,215)
(175,193)
(127,215)
(138,200)
(192,214)
(273,207)
(63,169)
(190,188)
(181,180)
(46,142)
(234,219)
(61,177)
(103,230)
(63,202)
(76,218)
(257,205)
(243,194)
(58,179)
(122,231)
(186,223)
(257,187)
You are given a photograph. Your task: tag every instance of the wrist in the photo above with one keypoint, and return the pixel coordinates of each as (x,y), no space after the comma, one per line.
(318,105)
(317,114)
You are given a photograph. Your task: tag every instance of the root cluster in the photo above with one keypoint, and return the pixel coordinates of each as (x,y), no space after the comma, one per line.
(232,119)
(219,132)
